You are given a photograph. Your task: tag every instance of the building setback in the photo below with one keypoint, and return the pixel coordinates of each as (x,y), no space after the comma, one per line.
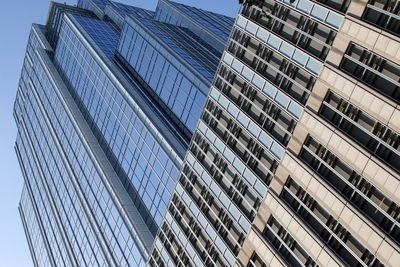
(295,160)
(108,100)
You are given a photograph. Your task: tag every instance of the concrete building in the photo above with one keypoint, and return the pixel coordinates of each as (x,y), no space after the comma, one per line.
(295,160)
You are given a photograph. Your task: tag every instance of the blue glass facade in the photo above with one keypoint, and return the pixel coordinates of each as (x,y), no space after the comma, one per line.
(151,168)
(116,12)
(105,109)
(96,6)
(45,175)
(151,49)
(40,255)
(212,28)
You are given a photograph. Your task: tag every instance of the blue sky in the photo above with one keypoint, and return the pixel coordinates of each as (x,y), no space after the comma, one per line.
(16,17)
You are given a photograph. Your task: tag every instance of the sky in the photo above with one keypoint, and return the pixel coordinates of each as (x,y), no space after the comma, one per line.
(16,17)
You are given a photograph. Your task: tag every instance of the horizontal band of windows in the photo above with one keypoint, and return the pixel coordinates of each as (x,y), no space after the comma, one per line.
(187,234)
(256,261)
(249,126)
(335,235)
(205,248)
(200,223)
(175,251)
(229,206)
(318,12)
(156,260)
(236,188)
(210,205)
(296,28)
(372,70)
(274,68)
(160,256)
(384,15)
(281,46)
(270,90)
(228,153)
(269,116)
(380,130)
(286,246)
(190,235)
(338,5)
(360,135)
(353,187)
(245,147)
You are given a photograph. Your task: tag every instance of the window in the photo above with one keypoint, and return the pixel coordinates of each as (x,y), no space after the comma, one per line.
(294,27)
(384,14)
(217,215)
(194,233)
(172,245)
(373,70)
(338,5)
(156,259)
(239,191)
(363,129)
(273,67)
(338,239)
(286,246)
(256,261)
(353,187)
(251,153)
(256,105)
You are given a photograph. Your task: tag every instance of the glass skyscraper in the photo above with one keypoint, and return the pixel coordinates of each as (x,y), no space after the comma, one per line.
(108,100)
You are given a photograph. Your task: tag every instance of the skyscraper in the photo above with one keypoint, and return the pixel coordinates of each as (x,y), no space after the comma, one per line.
(295,160)
(108,100)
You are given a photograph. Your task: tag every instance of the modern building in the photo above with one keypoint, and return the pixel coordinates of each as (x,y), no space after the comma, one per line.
(296,158)
(108,100)
(294,161)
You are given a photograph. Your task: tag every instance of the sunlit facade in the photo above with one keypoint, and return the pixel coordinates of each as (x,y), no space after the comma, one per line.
(295,160)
